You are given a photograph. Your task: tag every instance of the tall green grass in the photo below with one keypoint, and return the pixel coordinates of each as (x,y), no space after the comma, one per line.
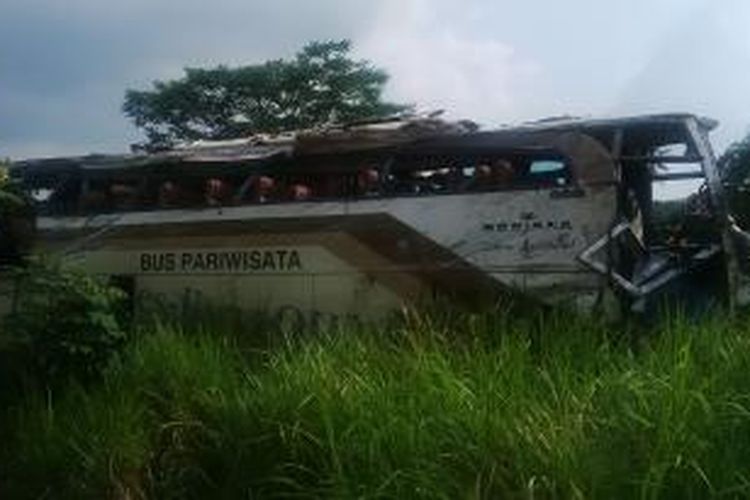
(473,407)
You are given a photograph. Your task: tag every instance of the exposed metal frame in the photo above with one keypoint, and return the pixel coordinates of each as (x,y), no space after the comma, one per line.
(720,206)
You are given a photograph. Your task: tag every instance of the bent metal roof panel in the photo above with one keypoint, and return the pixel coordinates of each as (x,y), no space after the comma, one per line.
(410,133)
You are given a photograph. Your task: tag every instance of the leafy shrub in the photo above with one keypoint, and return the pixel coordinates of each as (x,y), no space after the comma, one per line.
(65,323)
(17,224)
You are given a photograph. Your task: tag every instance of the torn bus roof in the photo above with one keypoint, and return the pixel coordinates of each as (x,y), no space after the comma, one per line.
(403,134)
(259,149)
(569,122)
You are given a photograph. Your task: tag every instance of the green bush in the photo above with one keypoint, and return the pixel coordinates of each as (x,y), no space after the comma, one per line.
(64,323)
(17,223)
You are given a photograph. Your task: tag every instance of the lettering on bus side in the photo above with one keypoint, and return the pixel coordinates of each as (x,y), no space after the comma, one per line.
(526,226)
(525,223)
(221,261)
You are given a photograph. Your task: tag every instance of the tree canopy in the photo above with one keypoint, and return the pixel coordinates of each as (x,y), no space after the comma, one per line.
(321,84)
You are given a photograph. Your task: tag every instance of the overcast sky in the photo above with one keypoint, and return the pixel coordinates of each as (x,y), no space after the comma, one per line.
(65,64)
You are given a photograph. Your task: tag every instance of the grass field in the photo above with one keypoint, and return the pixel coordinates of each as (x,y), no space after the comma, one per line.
(473,407)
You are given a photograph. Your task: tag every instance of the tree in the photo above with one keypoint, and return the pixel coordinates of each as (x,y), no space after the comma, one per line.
(735,162)
(321,84)
(734,166)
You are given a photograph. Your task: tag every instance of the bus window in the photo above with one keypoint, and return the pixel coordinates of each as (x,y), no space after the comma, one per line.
(332,187)
(493,174)
(179,194)
(217,192)
(95,197)
(299,192)
(368,182)
(255,189)
(170,195)
(423,181)
(548,173)
(125,195)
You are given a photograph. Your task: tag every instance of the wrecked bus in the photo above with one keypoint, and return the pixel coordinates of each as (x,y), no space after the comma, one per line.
(361,219)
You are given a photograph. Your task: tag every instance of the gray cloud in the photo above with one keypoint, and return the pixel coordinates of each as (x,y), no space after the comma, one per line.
(64,66)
